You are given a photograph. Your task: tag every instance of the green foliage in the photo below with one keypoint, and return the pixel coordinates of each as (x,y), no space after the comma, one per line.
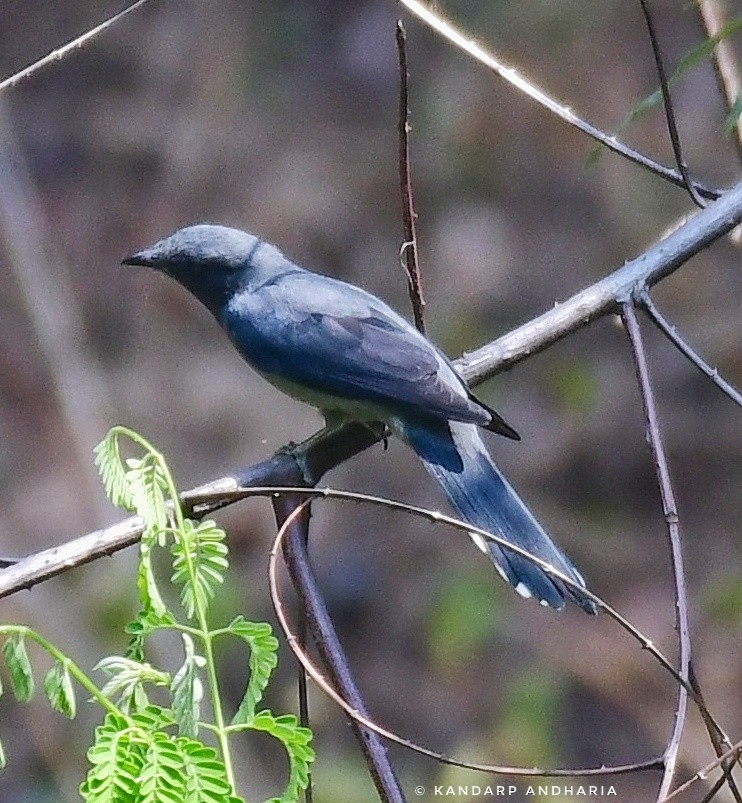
(199,563)
(296,741)
(59,690)
(188,690)
(144,753)
(134,760)
(19,667)
(263,660)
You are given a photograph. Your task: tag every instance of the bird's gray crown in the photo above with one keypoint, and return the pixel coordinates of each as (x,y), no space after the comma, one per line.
(205,243)
(213,262)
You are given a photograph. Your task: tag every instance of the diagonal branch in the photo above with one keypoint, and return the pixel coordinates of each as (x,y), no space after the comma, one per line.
(74,44)
(671,333)
(604,296)
(471,48)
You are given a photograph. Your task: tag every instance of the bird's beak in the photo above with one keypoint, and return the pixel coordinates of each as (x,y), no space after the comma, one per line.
(144,259)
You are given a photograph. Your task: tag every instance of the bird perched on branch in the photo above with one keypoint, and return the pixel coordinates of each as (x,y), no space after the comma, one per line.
(344,351)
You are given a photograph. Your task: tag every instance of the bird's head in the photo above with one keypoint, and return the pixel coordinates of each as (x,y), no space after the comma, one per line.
(210,261)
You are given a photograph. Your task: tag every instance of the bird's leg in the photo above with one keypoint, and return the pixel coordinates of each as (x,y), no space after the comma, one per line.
(303,452)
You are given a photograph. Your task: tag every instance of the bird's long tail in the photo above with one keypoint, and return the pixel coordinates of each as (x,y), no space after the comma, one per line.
(455,455)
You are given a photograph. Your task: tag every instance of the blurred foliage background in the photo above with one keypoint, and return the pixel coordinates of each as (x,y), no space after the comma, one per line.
(279,116)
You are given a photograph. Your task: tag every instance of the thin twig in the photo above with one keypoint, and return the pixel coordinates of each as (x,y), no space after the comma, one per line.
(59,53)
(733,754)
(669,509)
(671,332)
(469,46)
(719,740)
(288,510)
(672,127)
(408,252)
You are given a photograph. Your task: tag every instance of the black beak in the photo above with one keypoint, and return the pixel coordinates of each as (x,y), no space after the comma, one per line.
(144,259)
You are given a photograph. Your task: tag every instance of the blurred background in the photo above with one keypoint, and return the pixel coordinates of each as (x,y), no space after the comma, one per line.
(279,117)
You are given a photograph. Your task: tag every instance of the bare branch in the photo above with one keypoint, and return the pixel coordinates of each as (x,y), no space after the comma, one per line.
(408,252)
(355,711)
(74,44)
(289,512)
(669,509)
(672,335)
(672,126)
(469,46)
(733,754)
(604,296)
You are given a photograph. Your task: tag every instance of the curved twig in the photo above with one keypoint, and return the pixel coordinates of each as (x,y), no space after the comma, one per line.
(359,716)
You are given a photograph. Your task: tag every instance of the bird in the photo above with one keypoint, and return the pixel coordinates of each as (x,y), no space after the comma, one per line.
(341,349)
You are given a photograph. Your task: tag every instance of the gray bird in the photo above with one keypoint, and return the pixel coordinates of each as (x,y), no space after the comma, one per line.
(342,350)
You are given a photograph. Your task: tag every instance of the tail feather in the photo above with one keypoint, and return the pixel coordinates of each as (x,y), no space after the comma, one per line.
(454,454)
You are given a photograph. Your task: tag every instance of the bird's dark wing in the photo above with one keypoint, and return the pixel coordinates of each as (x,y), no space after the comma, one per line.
(337,340)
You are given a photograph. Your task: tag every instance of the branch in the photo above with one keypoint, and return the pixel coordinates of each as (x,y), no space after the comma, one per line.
(76,43)
(361,718)
(409,247)
(671,333)
(471,48)
(672,126)
(289,514)
(669,509)
(606,295)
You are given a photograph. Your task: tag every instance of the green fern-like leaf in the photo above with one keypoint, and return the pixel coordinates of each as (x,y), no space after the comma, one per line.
(162,779)
(206,775)
(116,757)
(111,469)
(146,623)
(187,690)
(296,741)
(19,667)
(199,563)
(127,679)
(59,690)
(149,486)
(133,760)
(263,660)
